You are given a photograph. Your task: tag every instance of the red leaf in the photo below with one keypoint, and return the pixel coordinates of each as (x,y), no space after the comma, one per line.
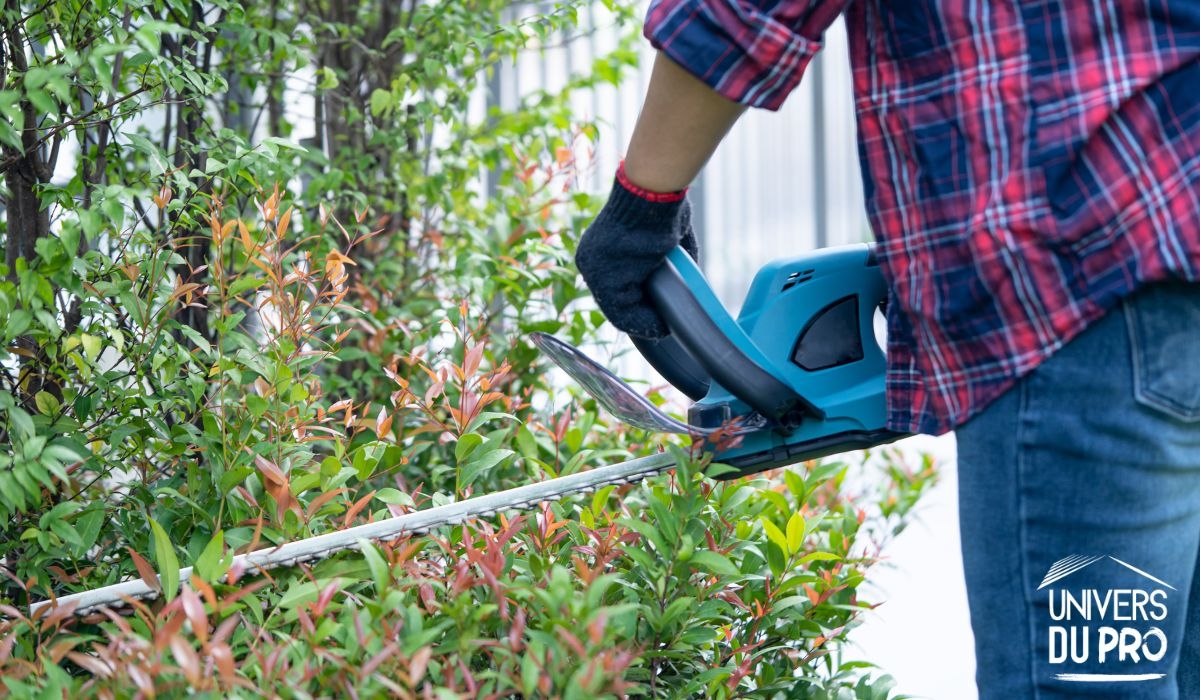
(91,664)
(270,471)
(324,598)
(357,508)
(223,657)
(472,359)
(418,665)
(383,423)
(193,608)
(320,501)
(187,658)
(149,576)
(210,596)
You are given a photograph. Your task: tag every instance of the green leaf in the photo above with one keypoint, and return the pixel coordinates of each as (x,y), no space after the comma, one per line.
(213,562)
(194,336)
(795,483)
(393,496)
(530,673)
(88,526)
(699,635)
(791,601)
(819,556)
(714,562)
(46,403)
(652,534)
(9,135)
(149,149)
(67,532)
(775,535)
(467,444)
(795,532)
(168,563)
(327,78)
(381,102)
(480,463)
(676,609)
(380,571)
(257,405)
(43,101)
(21,422)
(91,345)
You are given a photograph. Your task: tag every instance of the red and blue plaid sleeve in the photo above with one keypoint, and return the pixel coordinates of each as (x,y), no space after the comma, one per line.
(1026,165)
(750,51)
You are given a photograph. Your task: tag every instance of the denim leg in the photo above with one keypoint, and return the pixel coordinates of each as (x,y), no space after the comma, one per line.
(1080,513)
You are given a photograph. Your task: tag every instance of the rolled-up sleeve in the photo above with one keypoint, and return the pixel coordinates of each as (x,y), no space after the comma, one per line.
(750,51)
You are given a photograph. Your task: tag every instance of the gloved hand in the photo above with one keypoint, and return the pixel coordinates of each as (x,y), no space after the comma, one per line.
(625,244)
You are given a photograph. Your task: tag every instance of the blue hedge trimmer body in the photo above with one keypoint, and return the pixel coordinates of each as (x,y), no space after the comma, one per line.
(796,376)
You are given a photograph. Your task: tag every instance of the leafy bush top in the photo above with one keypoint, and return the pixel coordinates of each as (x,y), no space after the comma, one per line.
(198,361)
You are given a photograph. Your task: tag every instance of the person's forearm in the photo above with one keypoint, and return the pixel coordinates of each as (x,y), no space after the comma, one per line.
(679,127)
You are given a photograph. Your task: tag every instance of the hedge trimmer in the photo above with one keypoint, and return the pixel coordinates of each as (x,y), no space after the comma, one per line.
(797,376)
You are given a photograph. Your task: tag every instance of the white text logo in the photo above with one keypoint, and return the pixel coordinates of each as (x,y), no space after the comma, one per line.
(1106,627)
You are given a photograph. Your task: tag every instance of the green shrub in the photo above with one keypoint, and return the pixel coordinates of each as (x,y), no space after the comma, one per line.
(198,362)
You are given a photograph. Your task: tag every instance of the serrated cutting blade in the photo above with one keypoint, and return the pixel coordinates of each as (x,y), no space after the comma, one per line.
(419,522)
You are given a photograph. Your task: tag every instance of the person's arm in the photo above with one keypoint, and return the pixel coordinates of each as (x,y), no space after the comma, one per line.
(681,123)
(715,57)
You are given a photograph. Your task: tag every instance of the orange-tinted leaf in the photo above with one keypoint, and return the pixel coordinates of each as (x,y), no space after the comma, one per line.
(149,576)
(223,657)
(269,470)
(142,680)
(271,207)
(244,233)
(472,359)
(210,596)
(282,227)
(383,423)
(91,664)
(315,505)
(61,648)
(418,665)
(169,628)
(194,610)
(324,598)
(56,615)
(225,230)
(357,508)
(187,659)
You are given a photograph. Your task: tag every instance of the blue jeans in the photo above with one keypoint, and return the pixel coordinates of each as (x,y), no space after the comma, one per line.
(1080,512)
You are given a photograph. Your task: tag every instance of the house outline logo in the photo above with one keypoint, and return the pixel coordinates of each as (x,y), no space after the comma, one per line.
(1073,625)
(1078,562)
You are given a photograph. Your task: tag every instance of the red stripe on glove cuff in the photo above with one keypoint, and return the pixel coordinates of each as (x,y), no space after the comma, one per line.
(643,193)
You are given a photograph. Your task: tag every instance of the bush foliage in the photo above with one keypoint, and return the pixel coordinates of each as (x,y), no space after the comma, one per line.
(219,337)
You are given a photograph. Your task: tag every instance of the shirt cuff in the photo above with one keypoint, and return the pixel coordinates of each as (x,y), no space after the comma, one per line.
(747,55)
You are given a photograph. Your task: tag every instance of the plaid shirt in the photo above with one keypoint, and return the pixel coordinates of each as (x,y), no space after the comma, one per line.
(1027,164)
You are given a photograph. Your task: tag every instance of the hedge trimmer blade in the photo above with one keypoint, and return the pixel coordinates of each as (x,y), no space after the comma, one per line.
(419,522)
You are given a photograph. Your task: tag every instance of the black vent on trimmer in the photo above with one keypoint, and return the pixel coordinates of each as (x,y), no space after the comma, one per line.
(831,338)
(796,278)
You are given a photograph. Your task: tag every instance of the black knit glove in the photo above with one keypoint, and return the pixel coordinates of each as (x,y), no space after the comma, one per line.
(628,240)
